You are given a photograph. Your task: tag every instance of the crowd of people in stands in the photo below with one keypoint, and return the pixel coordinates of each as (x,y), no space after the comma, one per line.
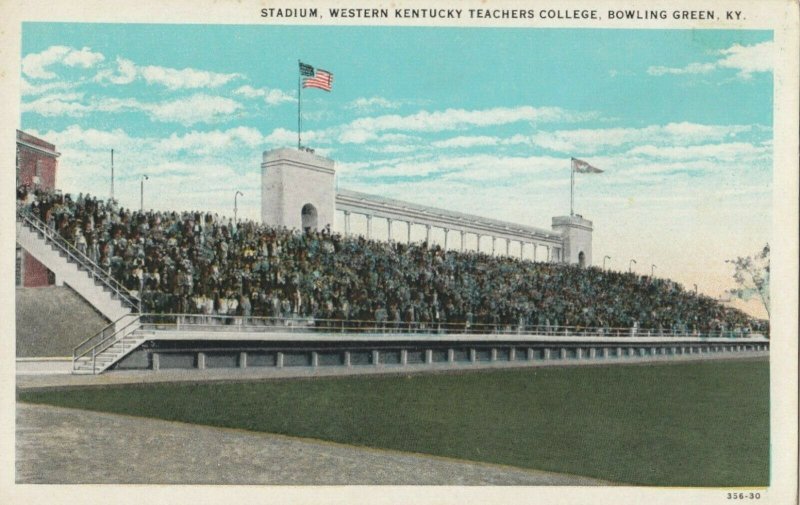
(202,263)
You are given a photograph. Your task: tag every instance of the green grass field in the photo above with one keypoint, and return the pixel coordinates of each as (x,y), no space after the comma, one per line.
(681,424)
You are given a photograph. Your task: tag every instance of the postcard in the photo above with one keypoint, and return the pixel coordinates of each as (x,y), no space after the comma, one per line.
(327,252)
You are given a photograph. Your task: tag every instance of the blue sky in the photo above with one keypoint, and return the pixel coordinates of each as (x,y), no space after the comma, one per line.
(476,120)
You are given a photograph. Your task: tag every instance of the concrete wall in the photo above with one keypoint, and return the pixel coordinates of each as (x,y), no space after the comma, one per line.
(291,179)
(52,320)
(577,233)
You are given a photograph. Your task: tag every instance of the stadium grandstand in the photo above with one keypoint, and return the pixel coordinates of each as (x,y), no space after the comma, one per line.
(199,263)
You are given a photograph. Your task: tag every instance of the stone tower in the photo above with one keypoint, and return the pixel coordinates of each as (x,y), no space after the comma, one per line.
(577,233)
(297,189)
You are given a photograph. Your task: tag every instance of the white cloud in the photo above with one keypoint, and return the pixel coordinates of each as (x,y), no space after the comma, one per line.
(28,89)
(480,141)
(212,141)
(59,104)
(125,73)
(746,59)
(270,96)
(174,79)
(692,68)
(726,151)
(451,119)
(187,78)
(35,65)
(368,104)
(198,108)
(582,141)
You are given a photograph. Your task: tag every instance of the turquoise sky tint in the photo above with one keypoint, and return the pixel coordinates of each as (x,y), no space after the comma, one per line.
(477,120)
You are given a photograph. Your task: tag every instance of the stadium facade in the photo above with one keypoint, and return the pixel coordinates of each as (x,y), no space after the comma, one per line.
(298,191)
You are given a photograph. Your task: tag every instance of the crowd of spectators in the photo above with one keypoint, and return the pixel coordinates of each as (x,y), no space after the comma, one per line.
(202,263)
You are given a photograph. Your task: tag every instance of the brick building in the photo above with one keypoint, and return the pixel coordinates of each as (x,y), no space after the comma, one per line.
(37,161)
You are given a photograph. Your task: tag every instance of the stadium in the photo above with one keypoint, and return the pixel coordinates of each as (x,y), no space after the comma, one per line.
(211,298)
(394,293)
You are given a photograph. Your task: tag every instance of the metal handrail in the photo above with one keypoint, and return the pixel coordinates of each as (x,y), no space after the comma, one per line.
(83,261)
(102,334)
(207,322)
(104,343)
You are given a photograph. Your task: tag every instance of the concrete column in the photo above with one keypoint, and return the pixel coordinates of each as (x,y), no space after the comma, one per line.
(563,353)
(521,249)
(408,237)
(463,239)
(428,234)
(346,223)
(631,351)
(242,360)
(347,358)
(619,352)
(279,360)
(533,245)
(451,356)
(654,351)
(549,253)
(508,246)
(155,361)
(592,353)
(578,353)
(369,225)
(472,356)
(530,354)
(403,357)
(314,359)
(376,357)
(428,356)
(512,354)
(642,352)
(606,352)
(493,356)
(478,236)
(494,243)
(546,354)
(389,229)
(201,361)
(445,238)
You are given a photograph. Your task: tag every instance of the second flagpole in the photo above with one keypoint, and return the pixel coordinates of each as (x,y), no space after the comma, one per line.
(571,188)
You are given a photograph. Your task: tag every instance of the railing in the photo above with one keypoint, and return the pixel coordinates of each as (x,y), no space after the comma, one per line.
(297,324)
(84,262)
(113,333)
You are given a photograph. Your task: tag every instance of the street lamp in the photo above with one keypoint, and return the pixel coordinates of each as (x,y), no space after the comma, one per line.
(652,270)
(630,265)
(141,192)
(604,260)
(236,205)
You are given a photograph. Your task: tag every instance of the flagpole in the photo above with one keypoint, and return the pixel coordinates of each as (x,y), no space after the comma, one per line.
(571,187)
(299,98)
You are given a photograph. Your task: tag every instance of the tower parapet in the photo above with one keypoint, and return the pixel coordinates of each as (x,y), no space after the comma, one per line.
(577,233)
(297,189)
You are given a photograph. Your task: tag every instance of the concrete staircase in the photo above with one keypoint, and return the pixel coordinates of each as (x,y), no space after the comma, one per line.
(103,355)
(90,281)
(73,268)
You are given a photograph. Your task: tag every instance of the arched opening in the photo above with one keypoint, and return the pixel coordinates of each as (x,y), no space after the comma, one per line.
(308,216)
(581,259)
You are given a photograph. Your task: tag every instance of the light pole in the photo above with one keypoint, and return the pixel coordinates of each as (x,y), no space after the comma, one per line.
(652,270)
(604,260)
(630,265)
(236,205)
(141,192)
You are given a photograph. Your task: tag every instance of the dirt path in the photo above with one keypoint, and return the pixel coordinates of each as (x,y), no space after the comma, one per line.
(69,446)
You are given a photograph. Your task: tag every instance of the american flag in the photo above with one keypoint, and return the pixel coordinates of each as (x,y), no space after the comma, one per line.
(321,79)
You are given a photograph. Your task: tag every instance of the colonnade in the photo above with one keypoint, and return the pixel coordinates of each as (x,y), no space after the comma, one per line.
(499,245)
